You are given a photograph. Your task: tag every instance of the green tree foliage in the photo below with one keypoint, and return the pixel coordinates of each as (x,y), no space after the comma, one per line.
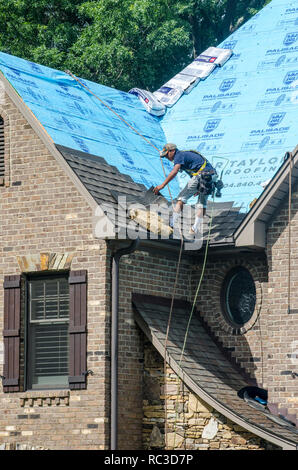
(120,43)
(211,21)
(130,43)
(40,30)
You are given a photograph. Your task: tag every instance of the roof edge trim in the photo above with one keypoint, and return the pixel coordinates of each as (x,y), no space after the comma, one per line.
(252,231)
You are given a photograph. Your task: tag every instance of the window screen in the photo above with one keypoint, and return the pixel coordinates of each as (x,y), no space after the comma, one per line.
(48,314)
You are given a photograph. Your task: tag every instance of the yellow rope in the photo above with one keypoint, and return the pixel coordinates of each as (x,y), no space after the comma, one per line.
(191,315)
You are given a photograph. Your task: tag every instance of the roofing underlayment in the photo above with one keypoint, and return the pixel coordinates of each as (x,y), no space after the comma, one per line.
(75,118)
(245,111)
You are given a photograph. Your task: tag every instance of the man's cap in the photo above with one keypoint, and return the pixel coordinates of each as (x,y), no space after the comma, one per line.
(166,148)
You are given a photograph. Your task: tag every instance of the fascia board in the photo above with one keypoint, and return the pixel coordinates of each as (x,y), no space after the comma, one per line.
(254,236)
(250,224)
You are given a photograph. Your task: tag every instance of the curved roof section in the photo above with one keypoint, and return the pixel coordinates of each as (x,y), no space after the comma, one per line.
(203,367)
(246,111)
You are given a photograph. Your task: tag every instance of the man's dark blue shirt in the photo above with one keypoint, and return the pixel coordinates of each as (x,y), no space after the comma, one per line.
(190,161)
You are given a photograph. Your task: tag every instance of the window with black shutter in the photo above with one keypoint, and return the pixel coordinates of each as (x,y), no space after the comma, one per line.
(11,333)
(55,332)
(1,151)
(47,332)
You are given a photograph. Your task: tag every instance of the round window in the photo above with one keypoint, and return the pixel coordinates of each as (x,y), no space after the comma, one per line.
(239,296)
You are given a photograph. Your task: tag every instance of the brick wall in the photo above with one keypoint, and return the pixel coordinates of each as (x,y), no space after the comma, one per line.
(266,346)
(283,327)
(144,273)
(246,346)
(41,211)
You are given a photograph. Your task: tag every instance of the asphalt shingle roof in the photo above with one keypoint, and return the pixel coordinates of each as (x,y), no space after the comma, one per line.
(106,184)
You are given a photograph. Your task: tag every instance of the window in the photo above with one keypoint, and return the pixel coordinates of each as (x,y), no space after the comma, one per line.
(47,332)
(238,296)
(1,151)
(55,333)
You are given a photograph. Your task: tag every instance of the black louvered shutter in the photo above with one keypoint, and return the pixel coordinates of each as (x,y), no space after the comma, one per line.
(77,330)
(1,150)
(11,333)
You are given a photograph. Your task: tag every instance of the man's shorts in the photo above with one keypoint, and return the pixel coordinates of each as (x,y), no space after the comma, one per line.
(191,188)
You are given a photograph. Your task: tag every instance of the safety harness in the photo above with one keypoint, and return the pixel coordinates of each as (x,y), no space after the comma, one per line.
(195,173)
(200,169)
(206,185)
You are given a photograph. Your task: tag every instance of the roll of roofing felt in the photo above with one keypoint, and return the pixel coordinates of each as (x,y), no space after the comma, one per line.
(215,55)
(199,69)
(186,82)
(151,103)
(168,95)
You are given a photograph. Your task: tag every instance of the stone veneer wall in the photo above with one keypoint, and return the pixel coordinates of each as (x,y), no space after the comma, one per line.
(191,423)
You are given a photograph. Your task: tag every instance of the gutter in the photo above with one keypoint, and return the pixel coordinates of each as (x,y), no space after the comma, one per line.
(114,339)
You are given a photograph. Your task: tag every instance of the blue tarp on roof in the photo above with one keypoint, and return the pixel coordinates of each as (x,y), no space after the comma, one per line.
(245,112)
(73,117)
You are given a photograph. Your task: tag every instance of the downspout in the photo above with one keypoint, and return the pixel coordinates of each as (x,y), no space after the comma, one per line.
(114,339)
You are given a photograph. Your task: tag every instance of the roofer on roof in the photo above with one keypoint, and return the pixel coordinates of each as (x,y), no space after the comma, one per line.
(200,170)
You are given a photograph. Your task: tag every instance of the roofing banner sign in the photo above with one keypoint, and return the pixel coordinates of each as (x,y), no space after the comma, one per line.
(243,117)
